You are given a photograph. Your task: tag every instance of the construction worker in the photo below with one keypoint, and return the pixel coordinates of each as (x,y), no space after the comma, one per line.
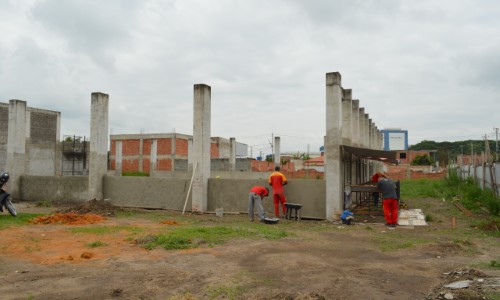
(257,194)
(277,180)
(390,201)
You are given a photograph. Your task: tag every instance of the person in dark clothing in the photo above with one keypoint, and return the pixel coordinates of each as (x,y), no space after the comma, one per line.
(390,201)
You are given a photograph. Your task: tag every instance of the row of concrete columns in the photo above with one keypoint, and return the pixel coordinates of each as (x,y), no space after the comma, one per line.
(346,124)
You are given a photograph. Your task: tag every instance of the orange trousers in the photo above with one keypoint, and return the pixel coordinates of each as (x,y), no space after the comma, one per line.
(279,198)
(391,211)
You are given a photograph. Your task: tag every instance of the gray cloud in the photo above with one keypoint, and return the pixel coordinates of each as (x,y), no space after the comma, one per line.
(429,67)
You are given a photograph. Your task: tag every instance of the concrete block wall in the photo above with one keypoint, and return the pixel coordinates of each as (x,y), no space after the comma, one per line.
(54,188)
(170,193)
(4,126)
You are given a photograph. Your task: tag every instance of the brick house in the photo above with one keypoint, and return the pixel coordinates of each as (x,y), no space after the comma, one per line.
(162,151)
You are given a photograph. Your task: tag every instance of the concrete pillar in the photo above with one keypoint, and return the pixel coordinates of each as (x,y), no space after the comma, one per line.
(333,175)
(362,127)
(141,154)
(153,157)
(98,162)
(367,145)
(232,154)
(173,152)
(16,146)
(355,139)
(355,123)
(366,137)
(118,158)
(347,117)
(201,146)
(277,151)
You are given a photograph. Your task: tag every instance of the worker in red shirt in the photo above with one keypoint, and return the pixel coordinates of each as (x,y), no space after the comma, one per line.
(277,180)
(257,194)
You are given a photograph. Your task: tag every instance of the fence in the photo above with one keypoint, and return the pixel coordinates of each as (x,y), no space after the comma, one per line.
(486,175)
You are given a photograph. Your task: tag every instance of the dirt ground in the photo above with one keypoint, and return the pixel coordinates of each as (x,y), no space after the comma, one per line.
(317,260)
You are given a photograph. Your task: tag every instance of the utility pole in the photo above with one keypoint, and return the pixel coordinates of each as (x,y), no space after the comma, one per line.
(496,145)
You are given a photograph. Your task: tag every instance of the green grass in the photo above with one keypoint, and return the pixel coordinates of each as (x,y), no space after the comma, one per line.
(7,220)
(96,244)
(192,237)
(101,230)
(396,241)
(135,174)
(452,187)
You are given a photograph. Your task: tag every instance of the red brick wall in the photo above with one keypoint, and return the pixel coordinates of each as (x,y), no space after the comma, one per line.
(164,146)
(181,147)
(130,165)
(164,165)
(146,147)
(214,150)
(130,147)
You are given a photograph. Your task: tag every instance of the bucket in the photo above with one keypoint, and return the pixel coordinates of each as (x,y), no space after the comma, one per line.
(219,212)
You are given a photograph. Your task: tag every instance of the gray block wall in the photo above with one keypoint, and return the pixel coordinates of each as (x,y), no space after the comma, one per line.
(170,193)
(4,126)
(54,188)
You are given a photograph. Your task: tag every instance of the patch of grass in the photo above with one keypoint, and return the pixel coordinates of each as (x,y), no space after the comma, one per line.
(96,244)
(44,203)
(185,296)
(396,241)
(100,230)
(7,221)
(429,218)
(192,237)
(229,292)
(135,174)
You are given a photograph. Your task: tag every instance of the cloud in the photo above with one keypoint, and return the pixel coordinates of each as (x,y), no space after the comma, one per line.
(429,67)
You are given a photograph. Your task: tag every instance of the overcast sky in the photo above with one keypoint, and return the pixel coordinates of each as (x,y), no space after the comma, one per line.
(429,67)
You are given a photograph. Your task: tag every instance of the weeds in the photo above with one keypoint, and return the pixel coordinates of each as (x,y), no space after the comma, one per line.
(96,244)
(7,221)
(100,230)
(192,237)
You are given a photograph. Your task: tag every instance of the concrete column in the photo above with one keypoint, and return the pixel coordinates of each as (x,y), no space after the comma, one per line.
(371,163)
(153,157)
(201,146)
(16,146)
(232,154)
(190,154)
(366,137)
(98,163)
(347,117)
(333,175)
(173,151)
(367,145)
(362,127)
(118,158)
(58,149)
(355,123)
(277,151)
(141,154)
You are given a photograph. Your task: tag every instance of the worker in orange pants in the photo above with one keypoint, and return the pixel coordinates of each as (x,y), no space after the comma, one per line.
(277,180)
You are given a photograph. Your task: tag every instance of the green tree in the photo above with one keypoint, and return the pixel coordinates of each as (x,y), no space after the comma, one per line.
(422,160)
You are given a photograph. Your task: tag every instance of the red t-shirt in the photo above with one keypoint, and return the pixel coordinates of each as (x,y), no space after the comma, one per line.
(259,190)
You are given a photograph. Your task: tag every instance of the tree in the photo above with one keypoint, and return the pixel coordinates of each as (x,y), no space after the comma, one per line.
(422,160)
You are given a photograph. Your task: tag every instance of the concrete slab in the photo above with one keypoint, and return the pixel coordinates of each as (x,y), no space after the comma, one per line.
(411,217)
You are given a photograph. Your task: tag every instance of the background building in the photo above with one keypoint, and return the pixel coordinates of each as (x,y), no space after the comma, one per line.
(395,139)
